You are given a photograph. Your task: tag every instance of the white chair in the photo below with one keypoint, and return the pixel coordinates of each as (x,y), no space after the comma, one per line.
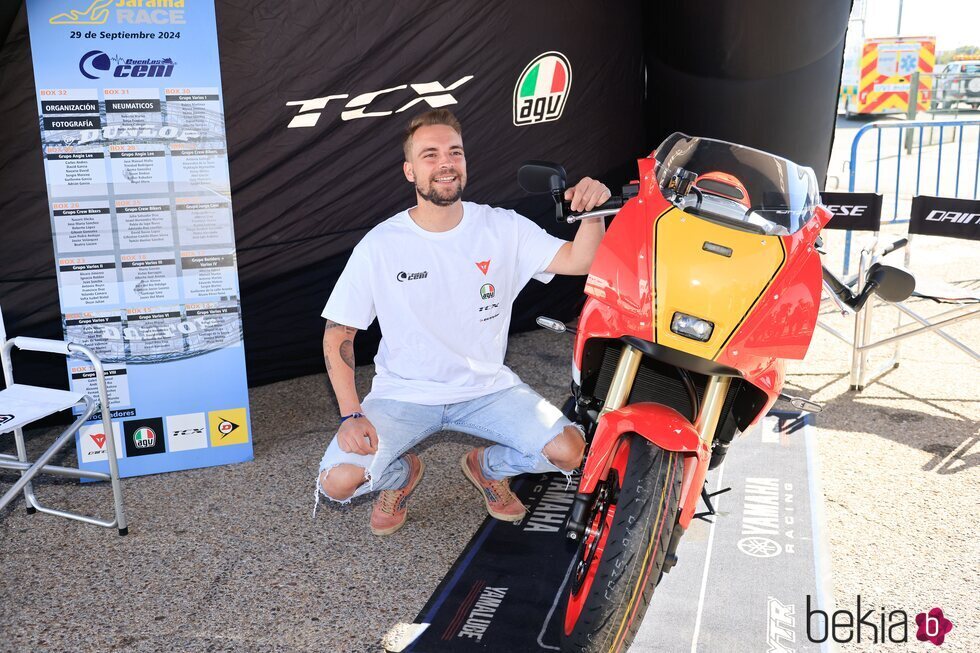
(930,216)
(22,404)
(854,213)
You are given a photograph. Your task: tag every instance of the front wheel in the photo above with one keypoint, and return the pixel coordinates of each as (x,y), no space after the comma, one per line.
(622,554)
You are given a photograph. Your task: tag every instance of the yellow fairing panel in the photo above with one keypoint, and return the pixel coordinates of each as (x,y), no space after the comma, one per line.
(709,286)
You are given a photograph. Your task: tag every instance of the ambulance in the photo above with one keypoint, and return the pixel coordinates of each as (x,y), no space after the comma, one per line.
(876,78)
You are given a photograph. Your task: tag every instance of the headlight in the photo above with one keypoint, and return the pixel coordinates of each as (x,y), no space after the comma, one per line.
(691,327)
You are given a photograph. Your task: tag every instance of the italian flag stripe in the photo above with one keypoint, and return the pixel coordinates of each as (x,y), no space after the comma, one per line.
(558,80)
(548,76)
(530,81)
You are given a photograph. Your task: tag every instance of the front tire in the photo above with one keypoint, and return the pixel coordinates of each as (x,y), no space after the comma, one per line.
(621,558)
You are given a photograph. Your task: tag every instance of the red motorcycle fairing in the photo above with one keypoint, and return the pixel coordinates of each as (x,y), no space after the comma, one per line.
(663,426)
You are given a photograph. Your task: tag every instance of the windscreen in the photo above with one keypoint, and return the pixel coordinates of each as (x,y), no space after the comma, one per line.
(736,185)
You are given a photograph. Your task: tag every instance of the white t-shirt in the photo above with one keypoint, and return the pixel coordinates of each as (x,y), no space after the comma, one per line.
(443,300)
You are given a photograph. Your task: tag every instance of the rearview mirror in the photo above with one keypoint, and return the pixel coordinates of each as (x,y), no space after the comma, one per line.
(890,283)
(541,177)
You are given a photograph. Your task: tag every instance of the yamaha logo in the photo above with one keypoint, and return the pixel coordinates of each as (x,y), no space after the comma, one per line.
(542,89)
(144,437)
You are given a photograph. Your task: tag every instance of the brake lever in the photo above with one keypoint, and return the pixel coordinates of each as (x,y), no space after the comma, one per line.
(609,207)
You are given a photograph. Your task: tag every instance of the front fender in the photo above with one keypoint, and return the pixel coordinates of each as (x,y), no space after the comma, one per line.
(660,424)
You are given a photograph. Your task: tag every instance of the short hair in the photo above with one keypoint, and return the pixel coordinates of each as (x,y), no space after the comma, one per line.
(428,119)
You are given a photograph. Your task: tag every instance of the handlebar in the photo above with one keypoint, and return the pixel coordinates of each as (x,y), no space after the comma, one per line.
(840,292)
(564,213)
(613,202)
(898,244)
(609,207)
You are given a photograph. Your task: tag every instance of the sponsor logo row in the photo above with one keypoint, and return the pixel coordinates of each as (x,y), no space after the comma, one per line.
(540,94)
(154,435)
(540,91)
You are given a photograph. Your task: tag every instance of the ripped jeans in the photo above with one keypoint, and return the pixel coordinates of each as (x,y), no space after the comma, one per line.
(518,419)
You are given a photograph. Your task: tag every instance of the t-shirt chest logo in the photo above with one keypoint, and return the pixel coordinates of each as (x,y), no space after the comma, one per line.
(411,276)
(484,266)
(490,309)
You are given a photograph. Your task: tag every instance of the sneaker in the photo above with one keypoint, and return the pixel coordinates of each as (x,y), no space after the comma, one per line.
(501,502)
(390,509)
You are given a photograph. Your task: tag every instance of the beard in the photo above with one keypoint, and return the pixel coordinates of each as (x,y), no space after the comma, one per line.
(441,197)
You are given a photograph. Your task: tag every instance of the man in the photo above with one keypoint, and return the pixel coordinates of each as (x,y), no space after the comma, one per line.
(441,279)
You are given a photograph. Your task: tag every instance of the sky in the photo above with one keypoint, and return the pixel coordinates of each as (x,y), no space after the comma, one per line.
(952,22)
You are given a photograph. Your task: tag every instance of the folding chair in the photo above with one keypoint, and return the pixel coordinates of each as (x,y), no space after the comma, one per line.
(858,212)
(854,212)
(22,404)
(930,216)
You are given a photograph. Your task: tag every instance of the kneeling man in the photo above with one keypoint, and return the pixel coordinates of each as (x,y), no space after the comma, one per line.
(441,278)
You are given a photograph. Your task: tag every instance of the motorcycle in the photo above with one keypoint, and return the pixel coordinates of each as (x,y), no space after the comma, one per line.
(708,279)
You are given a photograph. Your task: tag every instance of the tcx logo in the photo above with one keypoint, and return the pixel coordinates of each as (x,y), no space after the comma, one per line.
(182,432)
(953,216)
(432,93)
(411,276)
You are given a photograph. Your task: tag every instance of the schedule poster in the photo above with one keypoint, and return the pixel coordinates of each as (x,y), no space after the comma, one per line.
(135,157)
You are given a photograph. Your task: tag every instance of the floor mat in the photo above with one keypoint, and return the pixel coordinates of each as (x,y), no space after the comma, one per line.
(745,580)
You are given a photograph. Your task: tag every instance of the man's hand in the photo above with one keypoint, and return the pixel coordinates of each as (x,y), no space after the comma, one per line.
(357,435)
(576,257)
(587,194)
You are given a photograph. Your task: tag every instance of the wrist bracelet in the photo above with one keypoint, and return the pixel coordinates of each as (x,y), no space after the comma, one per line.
(343,418)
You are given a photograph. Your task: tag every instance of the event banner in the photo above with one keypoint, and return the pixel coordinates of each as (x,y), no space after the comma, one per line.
(135,157)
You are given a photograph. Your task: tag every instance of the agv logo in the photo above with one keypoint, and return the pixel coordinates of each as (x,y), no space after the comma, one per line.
(542,89)
(144,438)
(487,291)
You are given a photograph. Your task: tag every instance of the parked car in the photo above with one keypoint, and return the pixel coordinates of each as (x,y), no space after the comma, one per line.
(958,81)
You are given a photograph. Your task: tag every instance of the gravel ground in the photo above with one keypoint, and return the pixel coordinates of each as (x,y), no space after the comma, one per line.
(229,558)
(900,463)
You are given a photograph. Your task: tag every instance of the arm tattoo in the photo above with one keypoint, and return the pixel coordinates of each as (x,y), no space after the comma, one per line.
(346,349)
(347,352)
(336,325)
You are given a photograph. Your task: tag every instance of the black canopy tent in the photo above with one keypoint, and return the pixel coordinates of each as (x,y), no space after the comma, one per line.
(763,73)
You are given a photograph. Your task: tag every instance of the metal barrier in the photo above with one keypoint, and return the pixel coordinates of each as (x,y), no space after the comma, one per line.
(919,135)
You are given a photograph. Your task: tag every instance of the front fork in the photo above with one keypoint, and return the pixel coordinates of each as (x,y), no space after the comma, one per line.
(706,423)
